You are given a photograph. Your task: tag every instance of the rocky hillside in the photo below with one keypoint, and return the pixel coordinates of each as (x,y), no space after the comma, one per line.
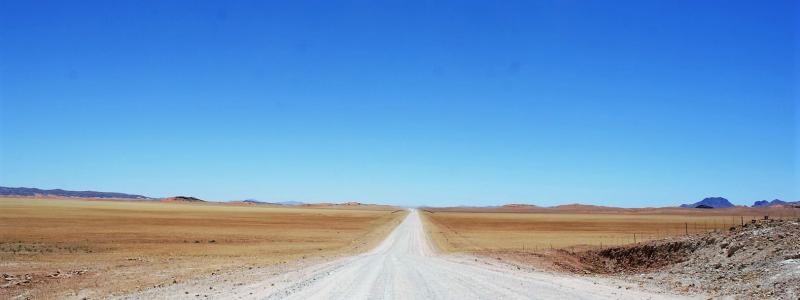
(758,260)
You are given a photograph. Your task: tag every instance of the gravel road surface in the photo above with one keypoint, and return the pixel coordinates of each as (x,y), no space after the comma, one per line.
(404,266)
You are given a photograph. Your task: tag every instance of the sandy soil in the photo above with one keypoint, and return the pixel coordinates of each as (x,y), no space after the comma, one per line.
(72,248)
(554,228)
(403,266)
(757,260)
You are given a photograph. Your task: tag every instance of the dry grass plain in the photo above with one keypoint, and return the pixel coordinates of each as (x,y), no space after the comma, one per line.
(89,248)
(537,229)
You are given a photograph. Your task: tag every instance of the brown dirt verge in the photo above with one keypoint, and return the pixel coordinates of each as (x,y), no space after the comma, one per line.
(758,260)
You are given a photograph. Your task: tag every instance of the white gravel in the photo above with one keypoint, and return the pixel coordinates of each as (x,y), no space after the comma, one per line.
(404,266)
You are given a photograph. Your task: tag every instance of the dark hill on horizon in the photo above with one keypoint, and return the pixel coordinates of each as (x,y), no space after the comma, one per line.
(182,199)
(710,202)
(34,192)
(763,203)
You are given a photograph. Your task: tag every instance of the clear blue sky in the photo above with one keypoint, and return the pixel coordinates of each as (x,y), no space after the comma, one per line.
(639,103)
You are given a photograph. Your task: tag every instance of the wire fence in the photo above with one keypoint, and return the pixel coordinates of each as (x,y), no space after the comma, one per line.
(579,240)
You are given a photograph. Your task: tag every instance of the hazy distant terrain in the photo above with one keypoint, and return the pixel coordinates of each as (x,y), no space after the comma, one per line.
(32,192)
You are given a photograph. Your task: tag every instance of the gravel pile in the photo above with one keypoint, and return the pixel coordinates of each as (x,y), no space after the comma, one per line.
(757,260)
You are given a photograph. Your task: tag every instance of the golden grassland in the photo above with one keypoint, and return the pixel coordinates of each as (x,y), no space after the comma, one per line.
(95,248)
(476,230)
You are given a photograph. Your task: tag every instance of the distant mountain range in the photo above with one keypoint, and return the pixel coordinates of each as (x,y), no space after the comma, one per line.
(253,201)
(766,203)
(182,199)
(719,202)
(30,192)
(291,203)
(286,203)
(710,202)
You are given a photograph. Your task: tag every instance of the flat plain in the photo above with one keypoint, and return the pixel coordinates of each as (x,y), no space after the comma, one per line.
(532,229)
(67,248)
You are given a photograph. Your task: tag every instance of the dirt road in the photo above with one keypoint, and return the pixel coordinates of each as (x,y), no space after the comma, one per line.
(405,266)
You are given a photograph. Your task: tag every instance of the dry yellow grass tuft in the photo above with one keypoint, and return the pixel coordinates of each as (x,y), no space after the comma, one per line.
(55,248)
(474,230)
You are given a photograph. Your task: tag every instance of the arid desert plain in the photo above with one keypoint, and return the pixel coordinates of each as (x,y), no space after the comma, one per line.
(57,248)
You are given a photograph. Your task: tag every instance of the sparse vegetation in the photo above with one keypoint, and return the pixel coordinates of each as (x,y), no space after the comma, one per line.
(472,230)
(54,248)
(756,258)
